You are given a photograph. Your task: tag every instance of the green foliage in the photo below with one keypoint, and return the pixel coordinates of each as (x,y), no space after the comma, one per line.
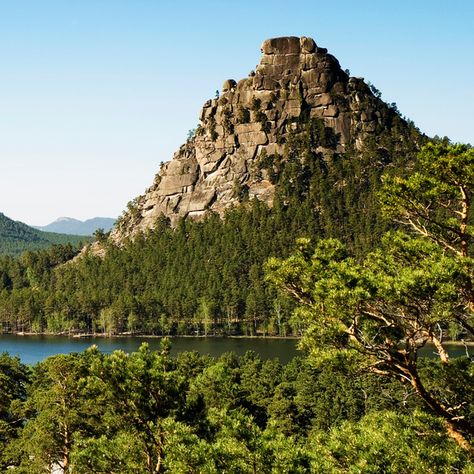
(104,454)
(101,236)
(14,379)
(377,93)
(388,442)
(212,128)
(191,134)
(387,307)
(243,115)
(435,199)
(403,295)
(227,121)
(57,410)
(208,276)
(17,238)
(240,191)
(146,412)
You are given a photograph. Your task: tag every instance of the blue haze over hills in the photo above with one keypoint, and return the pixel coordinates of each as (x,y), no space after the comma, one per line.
(68,225)
(17,237)
(97,89)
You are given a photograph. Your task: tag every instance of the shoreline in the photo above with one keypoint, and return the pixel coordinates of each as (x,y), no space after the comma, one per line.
(174,336)
(147,336)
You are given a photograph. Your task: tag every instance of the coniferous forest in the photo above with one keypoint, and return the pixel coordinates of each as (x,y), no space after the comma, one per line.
(207,277)
(367,260)
(16,238)
(290,287)
(148,412)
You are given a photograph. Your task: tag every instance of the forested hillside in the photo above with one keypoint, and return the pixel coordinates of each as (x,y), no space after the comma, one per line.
(360,399)
(297,149)
(16,237)
(207,276)
(302,205)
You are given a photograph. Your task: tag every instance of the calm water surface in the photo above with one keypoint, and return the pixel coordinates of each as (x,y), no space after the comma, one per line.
(32,349)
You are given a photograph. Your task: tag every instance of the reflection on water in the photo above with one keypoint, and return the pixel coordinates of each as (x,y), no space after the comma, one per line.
(32,349)
(454,350)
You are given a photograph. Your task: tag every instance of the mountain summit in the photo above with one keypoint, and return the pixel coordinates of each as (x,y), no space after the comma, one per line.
(296,150)
(17,237)
(243,134)
(68,225)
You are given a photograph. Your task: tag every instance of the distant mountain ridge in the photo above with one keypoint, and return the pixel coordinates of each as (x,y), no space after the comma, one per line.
(17,237)
(70,226)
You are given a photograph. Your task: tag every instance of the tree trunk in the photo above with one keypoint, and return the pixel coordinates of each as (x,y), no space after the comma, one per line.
(66,448)
(149,463)
(465,204)
(443,355)
(66,459)
(457,429)
(159,452)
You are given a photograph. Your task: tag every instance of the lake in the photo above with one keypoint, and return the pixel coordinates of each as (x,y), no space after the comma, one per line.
(32,349)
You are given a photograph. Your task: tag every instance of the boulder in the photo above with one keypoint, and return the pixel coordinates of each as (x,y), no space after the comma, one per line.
(307,45)
(331,111)
(283,45)
(228,85)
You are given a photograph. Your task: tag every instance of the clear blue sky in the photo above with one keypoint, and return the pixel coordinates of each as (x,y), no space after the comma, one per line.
(94,94)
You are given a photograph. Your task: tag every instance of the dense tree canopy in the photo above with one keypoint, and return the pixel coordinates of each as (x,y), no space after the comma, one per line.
(14,378)
(410,291)
(207,277)
(147,412)
(16,238)
(363,311)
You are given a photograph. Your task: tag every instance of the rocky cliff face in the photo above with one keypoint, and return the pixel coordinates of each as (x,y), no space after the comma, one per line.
(251,118)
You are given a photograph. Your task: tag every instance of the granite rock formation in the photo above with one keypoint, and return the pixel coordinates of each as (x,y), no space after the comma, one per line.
(251,117)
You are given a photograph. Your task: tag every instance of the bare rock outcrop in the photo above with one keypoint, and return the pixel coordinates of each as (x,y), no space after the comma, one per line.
(294,78)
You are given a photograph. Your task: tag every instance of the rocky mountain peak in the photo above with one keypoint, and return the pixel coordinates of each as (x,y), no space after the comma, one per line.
(296,81)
